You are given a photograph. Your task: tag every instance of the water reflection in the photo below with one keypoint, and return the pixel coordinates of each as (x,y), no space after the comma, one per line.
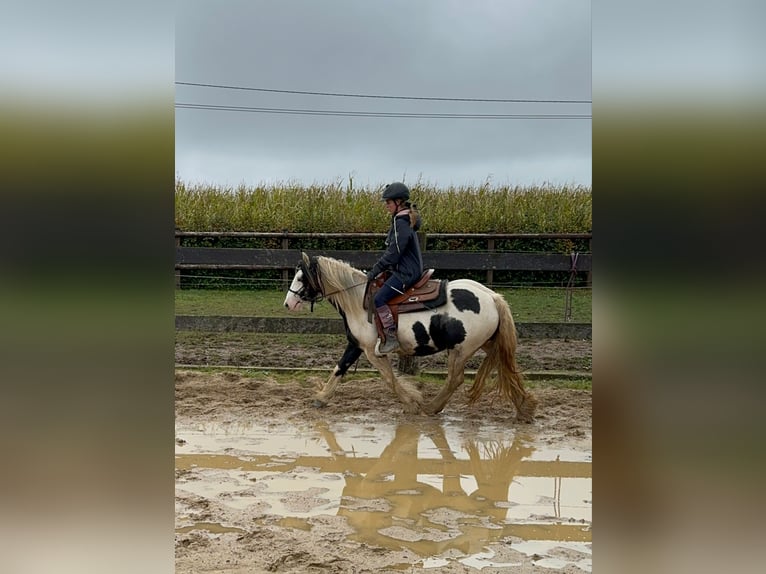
(430,509)
(427,490)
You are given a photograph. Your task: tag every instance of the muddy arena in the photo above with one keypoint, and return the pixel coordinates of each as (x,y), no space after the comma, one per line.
(265,482)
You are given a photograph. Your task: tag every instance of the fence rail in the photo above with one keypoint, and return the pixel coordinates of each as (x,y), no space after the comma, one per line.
(286,258)
(246,258)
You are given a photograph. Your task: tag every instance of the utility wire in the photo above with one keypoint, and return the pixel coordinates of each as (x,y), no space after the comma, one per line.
(343,95)
(193,106)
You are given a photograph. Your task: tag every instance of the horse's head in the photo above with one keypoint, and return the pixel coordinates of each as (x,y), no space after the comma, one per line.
(305,285)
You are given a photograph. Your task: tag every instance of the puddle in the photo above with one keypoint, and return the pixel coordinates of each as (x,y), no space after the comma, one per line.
(435,488)
(212,527)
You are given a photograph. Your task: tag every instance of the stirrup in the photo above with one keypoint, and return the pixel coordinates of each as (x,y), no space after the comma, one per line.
(391,345)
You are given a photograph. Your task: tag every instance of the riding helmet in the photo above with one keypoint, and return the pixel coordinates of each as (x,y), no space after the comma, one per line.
(396,190)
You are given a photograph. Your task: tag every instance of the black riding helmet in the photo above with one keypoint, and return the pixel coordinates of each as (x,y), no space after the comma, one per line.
(396,190)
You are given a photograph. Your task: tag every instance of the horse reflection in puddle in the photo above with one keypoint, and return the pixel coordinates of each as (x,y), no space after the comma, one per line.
(428,502)
(395,504)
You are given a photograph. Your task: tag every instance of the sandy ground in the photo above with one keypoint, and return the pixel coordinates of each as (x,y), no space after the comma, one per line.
(324,351)
(215,535)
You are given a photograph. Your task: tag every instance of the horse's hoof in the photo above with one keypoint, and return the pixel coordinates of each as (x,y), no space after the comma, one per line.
(430,410)
(319,404)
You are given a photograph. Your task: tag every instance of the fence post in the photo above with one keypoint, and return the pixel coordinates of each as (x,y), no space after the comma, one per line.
(285,272)
(409,365)
(490,271)
(422,239)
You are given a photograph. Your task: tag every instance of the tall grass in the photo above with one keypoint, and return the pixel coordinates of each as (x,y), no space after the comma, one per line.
(338,207)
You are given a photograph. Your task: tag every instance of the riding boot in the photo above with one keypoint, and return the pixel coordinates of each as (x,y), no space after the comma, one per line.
(389,342)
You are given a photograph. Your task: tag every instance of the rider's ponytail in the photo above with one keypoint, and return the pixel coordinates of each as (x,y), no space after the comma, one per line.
(413,213)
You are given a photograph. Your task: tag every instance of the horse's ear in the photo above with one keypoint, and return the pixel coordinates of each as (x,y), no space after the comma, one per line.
(306,260)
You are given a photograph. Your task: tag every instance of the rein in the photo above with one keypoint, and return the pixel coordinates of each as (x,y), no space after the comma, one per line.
(345,289)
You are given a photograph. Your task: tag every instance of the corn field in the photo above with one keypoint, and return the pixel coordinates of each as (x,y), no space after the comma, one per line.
(343,208)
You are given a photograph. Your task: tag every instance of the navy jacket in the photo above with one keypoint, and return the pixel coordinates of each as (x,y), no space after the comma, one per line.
(402,256)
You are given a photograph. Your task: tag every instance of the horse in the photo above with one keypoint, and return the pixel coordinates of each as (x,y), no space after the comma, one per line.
(473,317)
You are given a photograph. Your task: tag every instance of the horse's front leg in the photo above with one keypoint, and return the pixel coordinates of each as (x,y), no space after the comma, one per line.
(411,397)
(350,356)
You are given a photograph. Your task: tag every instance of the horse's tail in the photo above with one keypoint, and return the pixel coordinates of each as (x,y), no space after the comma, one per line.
(501,357)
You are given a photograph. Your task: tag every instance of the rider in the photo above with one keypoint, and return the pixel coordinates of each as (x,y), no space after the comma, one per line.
(402,257)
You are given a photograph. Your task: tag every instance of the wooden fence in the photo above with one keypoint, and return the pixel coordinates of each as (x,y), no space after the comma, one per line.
(286,258)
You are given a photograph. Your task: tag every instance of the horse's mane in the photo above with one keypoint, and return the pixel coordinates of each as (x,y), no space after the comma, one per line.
(340,281)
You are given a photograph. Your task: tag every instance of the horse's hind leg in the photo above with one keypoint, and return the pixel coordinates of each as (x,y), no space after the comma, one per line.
(455,376)
(411,398)
(325,392)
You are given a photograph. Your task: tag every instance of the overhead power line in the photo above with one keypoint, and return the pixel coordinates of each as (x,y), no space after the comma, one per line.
(386,97)
(192,106)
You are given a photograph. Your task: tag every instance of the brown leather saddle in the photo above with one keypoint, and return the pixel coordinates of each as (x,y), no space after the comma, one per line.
(426,293)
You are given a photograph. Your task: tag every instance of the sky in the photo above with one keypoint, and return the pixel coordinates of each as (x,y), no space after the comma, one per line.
(261,52)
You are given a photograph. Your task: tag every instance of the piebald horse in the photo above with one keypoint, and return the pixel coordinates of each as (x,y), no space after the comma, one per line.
(472,318)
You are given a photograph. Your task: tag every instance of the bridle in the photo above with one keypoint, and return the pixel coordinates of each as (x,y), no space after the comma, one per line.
(311,290)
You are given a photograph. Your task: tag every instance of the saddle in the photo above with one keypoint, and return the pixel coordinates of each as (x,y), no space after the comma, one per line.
(426,293)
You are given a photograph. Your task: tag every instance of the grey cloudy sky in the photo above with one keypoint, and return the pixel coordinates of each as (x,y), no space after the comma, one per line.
(489,49)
